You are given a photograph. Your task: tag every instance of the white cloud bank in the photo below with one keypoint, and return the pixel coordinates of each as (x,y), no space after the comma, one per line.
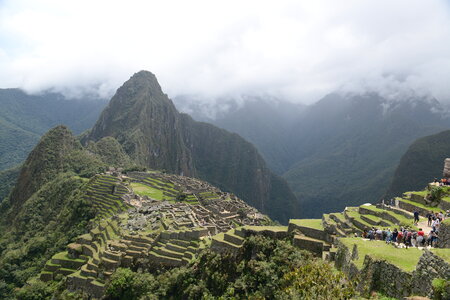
(298,50)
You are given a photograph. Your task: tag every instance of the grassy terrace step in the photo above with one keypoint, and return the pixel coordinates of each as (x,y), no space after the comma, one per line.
(389,215)
(233,238)
(310,223)
(176,248)
(51,267)
(65,271)
(340,220)
(181,243)
(166,252)
(405,259)
(421,208)
(165,260)
(331,226)
(65,261)
(310,227)
(219,240)
(355,218)
(313,245)
(375,220)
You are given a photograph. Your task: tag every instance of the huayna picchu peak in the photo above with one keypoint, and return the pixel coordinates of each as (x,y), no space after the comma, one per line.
(154,134)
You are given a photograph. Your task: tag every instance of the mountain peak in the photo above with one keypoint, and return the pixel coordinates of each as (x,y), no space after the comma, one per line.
(142,81)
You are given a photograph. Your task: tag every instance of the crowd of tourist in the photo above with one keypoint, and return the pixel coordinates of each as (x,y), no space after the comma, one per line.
(410,237)
(405,236)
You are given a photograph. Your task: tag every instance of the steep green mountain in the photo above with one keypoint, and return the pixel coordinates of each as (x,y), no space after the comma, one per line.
(25,118)
(152,132)
(7,181)
(46,208)
(422,162)
(264,121)
(348,147)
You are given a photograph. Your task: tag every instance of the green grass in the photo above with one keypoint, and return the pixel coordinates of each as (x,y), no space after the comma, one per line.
(446,199)
(145,190)
(340,217)
(64,256)
(420,193)
(269,228)
(429,208)
(404,221)
(405,259)
(443,253)
(311,223)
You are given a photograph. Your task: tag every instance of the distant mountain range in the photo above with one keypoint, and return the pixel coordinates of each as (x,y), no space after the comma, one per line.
(25,118)
(340,151)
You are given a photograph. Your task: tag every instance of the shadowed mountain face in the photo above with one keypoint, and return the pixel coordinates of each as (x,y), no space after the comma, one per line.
(422,162)
(154,134)
(338,152)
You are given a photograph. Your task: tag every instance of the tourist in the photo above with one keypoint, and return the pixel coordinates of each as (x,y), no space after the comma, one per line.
(416,217)
(400,237)
(414,239)
(435,224)
(420,237)
(441,216)
(388,236)
(448,213)
(394,235)
(364,234)
(371,234)
(432,238)
(379,233)
(430,218)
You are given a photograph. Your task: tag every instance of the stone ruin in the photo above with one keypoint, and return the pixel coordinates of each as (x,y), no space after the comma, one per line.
(446,172)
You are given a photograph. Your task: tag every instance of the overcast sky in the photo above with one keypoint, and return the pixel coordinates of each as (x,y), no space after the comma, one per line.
(299,50)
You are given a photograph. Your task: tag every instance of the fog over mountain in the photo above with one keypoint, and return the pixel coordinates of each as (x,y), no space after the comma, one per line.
(292,50)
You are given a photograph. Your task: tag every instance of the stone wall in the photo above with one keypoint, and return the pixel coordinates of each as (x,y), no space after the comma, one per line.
(446,172)
(380,275)
(430,266)
(310,232)
(406,206)
(444,234)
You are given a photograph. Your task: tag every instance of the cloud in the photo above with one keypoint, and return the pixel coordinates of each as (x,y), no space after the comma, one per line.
(300,50)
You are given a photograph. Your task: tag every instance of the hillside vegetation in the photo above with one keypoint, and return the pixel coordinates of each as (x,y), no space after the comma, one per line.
(422,162)
(25,118)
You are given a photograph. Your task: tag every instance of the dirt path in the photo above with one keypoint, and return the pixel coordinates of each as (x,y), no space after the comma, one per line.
(423,223)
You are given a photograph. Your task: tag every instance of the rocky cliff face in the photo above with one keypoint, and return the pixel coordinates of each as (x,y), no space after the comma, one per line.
(154,134)
(145,122)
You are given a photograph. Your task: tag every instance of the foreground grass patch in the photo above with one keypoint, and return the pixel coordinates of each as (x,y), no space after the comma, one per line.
(405,259)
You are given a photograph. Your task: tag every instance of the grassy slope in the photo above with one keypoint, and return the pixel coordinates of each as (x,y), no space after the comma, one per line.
(405,259)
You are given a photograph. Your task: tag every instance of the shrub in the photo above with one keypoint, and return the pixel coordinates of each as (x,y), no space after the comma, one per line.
(441,288)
